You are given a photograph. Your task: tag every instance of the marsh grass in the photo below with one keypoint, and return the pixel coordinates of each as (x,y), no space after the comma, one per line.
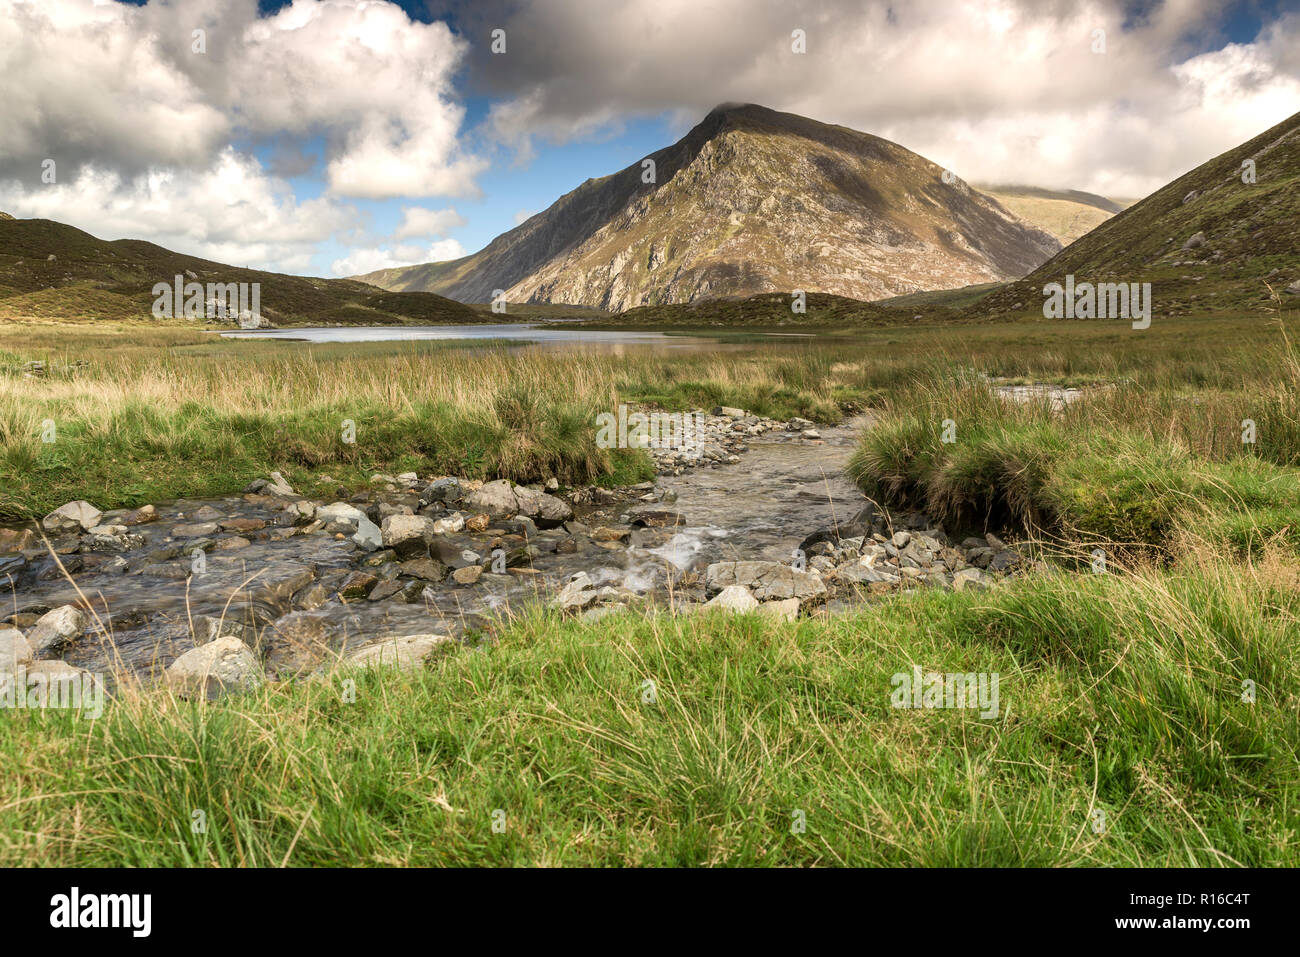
(1157,461)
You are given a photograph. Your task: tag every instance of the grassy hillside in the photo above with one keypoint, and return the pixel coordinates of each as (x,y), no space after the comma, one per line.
(1209,243)
(51,271)
(1066,214)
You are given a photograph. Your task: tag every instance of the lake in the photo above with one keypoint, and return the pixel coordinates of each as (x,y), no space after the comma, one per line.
(517,332)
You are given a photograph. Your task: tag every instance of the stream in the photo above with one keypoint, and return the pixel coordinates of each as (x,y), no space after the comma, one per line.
(245,562)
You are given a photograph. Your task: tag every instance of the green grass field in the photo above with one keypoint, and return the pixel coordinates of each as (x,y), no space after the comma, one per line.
(1148,716)
(1120,694)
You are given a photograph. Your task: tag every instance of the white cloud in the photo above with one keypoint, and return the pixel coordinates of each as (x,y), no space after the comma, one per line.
(231,212)
(420,222)
(117,86)
(997,90)
(360,261)
(523,215)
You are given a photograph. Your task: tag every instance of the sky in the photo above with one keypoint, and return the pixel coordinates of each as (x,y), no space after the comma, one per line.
(335,137)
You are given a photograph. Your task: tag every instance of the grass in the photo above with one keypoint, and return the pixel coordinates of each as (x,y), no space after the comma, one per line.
(1156,462)
(1118,693)
(163,411)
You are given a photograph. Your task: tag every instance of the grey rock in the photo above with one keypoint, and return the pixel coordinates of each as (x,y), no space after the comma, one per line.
(15,650)
(767,580)
(223,665)
(75,516)
(55,629)
(733,598)
(407,534)
(406,653)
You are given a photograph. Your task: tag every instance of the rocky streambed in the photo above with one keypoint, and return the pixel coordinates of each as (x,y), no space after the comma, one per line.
(280,582)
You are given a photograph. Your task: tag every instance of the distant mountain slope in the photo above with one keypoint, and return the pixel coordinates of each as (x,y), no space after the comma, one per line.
(1207,242)
(1067,214)
(749,201)
(49,270)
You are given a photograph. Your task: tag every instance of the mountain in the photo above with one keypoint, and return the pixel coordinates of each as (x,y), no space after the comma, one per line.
(49,270)
(1067,214)
(1208,242)
(749,201)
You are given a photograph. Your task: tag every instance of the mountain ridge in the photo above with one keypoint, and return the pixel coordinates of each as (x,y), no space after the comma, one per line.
(1207,240)
(749,201)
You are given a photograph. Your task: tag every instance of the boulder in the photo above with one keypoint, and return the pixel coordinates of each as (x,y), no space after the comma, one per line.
(223,665)
(767,580)
(407,535)
(78,516)
(786,610)
(467,575)
(15,650)
(578,593)
(405,653)
(969,579)
(340,512)
(368,535)
(733,598)
(55,629)
(501,499)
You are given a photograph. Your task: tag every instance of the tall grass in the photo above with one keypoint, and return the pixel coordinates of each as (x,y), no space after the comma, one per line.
(1120,693)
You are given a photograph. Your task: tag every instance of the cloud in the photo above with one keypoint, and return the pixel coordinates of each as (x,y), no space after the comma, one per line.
(231,212)
(997,90)
(113,86)
(360,261)
(523,215)
(420,222)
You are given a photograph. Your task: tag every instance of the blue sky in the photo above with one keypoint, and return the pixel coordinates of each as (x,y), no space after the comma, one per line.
(402,106)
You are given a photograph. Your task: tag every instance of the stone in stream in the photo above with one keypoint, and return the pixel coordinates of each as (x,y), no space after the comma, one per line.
(657,518)
(407,535)
(357,585)
(442,490)
(340,512)
(450,525)
(500,498)
(578,593)
(427,569)
(277,584)
(140,516)
(368,535)
(206,628)
(75,516)
(14,540)
(399,590)
(15,650)
(405,653)
(55,629)
(767,580)
(195,530)
(223,665)
(467,575)
(733,598)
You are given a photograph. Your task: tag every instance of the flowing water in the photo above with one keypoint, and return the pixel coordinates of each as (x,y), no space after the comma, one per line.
(280,582)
